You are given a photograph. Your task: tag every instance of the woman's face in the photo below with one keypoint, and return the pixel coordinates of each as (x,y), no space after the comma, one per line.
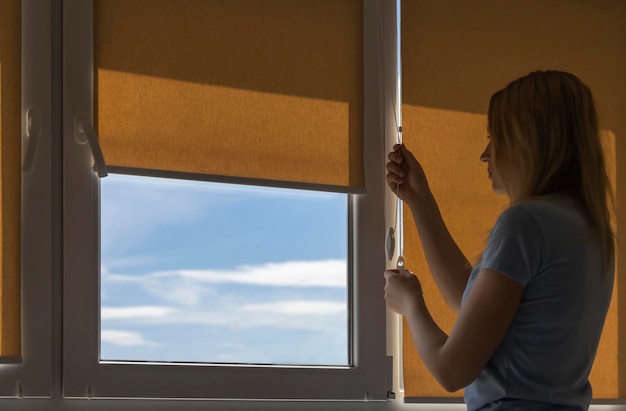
(496,181)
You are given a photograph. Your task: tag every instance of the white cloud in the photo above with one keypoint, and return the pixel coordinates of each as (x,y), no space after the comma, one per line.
(297,308)
(196,297)
(114,313)
(122,338)
(193,288)
(295,315)
(321,273)
(324,273)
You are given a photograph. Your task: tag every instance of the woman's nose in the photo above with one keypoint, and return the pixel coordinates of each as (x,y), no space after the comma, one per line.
(486,155)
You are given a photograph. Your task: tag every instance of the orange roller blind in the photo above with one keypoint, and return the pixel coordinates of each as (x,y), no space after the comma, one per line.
(448,144)
(454,56)
(262,89)
(10,134)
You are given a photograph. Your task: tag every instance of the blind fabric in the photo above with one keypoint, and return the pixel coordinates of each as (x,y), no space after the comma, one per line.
(454,56)
(181,88)
(448,145)
(10,137)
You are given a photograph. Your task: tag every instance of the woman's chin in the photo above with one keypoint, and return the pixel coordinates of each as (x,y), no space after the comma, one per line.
(498,189)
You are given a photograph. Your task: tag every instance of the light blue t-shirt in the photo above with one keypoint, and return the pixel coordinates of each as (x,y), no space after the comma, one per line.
(544,360)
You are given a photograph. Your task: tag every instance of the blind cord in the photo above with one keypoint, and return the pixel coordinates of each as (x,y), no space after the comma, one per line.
(395,235)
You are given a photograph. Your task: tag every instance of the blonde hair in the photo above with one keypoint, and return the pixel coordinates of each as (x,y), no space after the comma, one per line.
(544,132)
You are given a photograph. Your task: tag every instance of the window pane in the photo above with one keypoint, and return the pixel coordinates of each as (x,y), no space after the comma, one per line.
(206,272)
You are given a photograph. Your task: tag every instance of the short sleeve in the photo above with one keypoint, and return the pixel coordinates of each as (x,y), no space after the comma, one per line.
(515,246)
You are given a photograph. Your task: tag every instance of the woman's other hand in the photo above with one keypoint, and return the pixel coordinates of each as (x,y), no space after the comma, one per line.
(405,175)
(403,291)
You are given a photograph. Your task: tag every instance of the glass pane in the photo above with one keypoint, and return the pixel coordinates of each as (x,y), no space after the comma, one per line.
(219,273)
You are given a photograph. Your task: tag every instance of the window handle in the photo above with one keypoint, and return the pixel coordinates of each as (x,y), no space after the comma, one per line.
(85,134)
(33,130)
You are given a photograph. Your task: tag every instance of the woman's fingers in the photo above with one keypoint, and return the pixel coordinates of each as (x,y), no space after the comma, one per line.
(395,156)
(390,273)
(395,173)
(405,175)
(402,157)
(407,155)
(401,288)
(393,181)
(394,168)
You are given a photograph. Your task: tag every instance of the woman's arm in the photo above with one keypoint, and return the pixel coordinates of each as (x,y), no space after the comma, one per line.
(447,264)
(458,359)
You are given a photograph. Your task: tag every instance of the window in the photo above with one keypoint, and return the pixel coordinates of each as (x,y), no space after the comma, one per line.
(185,100)
(222,273)
(77,340)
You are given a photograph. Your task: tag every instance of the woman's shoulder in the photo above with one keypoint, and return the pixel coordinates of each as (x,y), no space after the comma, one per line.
(552,208)
(542,216)
(553,218)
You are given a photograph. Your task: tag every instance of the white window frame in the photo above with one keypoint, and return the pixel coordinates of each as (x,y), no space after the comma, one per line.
(30,374)
(45,371)
(85,377)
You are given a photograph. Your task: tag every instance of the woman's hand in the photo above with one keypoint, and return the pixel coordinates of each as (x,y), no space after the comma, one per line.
(405,175)
(403,291)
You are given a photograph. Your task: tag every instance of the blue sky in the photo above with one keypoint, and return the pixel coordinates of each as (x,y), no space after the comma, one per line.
(207,272)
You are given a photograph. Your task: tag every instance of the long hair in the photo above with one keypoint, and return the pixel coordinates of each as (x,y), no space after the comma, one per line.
(544,131)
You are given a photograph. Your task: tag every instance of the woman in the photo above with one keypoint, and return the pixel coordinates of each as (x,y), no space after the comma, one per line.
(531,311)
